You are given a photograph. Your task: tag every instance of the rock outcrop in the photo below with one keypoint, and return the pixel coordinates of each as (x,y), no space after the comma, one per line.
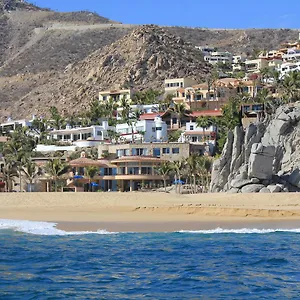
(263,158)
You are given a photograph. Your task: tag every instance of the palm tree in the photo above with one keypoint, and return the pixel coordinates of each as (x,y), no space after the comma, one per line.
(31,171)
(180,110)
(9,172)
(55,168)
(178,167)
(290,86)
(57,121)
(91,172)
(18,148)
(204,123)
(164,170)
(193,164)
(204,165)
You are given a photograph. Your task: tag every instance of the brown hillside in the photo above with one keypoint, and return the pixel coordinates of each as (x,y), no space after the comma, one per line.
(141,60)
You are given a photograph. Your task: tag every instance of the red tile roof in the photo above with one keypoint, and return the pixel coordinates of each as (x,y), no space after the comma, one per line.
(136,158)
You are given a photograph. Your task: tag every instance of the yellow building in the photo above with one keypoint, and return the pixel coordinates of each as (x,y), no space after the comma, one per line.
(116,95)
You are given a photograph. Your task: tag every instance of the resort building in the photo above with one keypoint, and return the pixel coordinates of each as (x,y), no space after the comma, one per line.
(142,108)
(218,57)
(292,55)
(143,130)
(135,173)
(82,136)
(116,95)
(172,151)
(285,68)
(255,65)
(197,135)
(171,85)
(11,125)
(173,122)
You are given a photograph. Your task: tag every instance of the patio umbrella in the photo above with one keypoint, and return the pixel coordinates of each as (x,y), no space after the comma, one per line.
(178,182)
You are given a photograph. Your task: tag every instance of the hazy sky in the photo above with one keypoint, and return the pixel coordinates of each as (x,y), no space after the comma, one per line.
(194,13)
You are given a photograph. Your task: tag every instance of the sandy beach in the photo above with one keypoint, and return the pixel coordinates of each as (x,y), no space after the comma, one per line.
(153,211)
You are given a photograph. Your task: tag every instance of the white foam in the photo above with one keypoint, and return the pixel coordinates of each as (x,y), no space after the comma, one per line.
(43,228)
(241,231)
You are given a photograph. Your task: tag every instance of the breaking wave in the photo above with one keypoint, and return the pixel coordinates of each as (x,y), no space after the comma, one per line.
(241,231)
(43,228)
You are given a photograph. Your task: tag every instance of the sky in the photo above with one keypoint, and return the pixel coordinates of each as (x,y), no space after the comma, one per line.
(191,13)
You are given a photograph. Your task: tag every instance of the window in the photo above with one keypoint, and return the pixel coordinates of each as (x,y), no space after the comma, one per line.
(153,129)
(158,128)
(99,133)
(191,127)
(175,150)
(67,136)
(104,98)
(166,150)
(156,152)
(174,120)
(194,139)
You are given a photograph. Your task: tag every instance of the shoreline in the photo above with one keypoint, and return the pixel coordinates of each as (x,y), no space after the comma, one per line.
(169,227)
(147,212)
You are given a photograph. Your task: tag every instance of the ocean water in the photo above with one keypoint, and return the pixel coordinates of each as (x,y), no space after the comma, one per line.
(38,261)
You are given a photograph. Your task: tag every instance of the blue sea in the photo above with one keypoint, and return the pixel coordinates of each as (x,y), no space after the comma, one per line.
(38,261)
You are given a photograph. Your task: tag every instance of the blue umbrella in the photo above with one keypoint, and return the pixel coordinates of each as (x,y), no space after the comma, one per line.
(178,182)
(94,184)
(78,177)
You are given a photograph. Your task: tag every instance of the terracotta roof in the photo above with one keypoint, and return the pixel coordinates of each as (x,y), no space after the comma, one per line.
(135,158)
(208,113)
(149,116)
(198,132)
(85,162)
(201,86)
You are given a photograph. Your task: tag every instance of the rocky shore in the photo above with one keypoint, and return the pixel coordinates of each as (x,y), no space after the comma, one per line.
(263,158)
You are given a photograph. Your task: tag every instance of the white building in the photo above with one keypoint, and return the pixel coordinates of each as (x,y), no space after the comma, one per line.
(292,55)
(143,108)
(144,130)
(206,50)
(285,68)
(198,135)
(11,125)
(82,136)
(217,57)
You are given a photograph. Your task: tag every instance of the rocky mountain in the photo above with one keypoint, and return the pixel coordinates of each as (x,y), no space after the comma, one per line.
(265,158)
(140,60)
(38,45)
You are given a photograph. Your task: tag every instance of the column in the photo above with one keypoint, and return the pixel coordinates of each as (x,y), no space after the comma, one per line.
(131,185)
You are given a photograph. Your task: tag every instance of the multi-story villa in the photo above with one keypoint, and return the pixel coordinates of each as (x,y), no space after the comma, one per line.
(173,151)
(285,68)
(171,85)
(143,130)
(218,57)
(292,55)
(142,108)
(11,125)
(116,95)
(255,65)
(197,135)
(82,136)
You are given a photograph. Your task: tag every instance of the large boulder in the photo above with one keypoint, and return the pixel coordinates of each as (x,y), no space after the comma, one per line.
(252,188)
(261,161)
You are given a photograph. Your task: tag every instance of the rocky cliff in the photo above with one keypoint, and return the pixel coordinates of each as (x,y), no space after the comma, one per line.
(263,158)
(140,60)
